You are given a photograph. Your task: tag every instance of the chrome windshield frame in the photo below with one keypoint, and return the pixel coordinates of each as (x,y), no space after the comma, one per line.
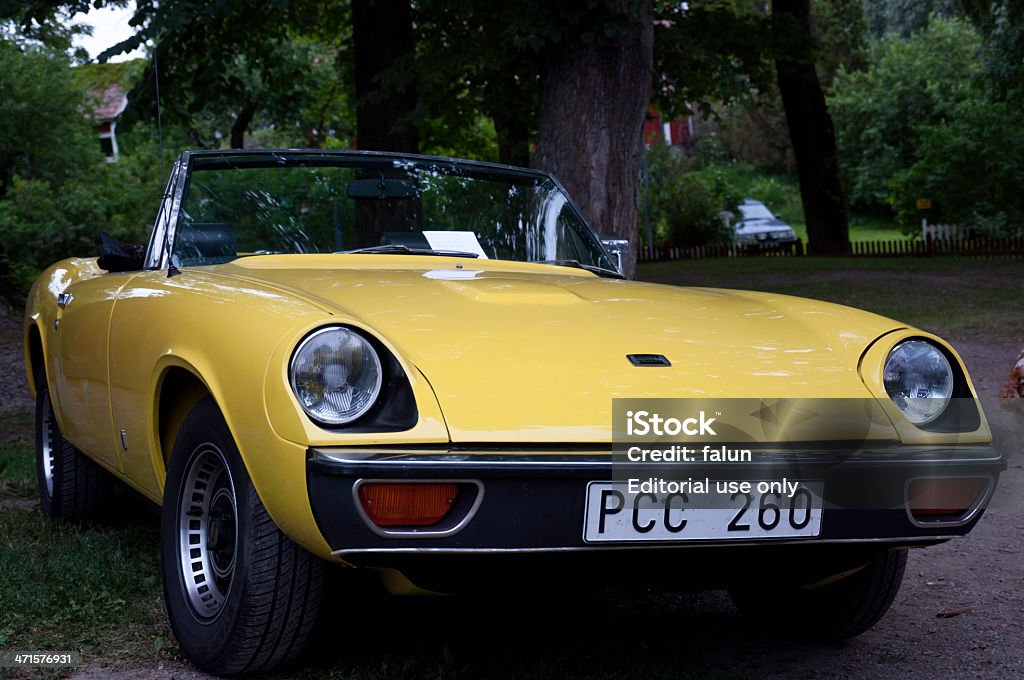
(162,237)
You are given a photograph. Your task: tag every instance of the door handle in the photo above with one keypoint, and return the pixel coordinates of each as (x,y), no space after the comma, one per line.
(64,299)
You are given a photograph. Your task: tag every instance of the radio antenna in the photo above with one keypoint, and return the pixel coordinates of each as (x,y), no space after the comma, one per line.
(156,78)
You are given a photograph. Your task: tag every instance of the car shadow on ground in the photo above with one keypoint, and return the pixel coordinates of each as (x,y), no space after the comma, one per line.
(612,633)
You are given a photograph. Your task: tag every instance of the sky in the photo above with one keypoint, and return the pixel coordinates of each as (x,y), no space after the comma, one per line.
(110,26)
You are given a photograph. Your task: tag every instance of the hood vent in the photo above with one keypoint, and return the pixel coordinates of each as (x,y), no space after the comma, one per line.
(648,360)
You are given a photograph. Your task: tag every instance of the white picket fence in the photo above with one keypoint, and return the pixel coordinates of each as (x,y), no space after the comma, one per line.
(942,232)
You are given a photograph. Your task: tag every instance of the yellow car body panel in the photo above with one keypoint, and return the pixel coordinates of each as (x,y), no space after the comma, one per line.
(495,351)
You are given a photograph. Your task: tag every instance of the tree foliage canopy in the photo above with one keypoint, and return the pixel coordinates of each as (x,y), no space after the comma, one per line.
(910,85)
(922,121)
(920,99)
(56,191)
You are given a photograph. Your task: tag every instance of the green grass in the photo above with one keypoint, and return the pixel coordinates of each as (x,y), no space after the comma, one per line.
(874,228)
(961,296)
(17,472)
(94,591)
(17,464)
(781,193)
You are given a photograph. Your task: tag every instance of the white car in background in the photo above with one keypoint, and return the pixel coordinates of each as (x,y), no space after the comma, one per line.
(759,226)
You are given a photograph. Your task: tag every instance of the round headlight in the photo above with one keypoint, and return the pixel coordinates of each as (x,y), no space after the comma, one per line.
(335,375)
(919,380)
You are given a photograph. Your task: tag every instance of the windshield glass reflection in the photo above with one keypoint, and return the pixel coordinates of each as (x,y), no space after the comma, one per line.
(237,206)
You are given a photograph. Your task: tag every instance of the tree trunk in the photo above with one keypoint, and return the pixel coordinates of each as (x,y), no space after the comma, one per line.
(593,100)
(384,76)
(240,125)
(513,140)
(510,108)
(814,140)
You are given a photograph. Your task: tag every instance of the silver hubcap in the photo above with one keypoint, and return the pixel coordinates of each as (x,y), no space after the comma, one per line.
(46,444)
(207,531)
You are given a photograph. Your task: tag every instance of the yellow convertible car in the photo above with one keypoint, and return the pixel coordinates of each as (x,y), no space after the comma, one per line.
(433,369)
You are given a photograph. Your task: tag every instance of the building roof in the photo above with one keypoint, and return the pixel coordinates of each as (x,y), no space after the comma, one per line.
(111,102)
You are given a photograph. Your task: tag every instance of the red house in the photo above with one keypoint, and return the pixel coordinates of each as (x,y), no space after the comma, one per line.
(111,102)
(678,132)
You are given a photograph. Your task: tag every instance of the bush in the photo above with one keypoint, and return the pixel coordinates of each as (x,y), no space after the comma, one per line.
(37,223)
(686,205)
(42,222)
(921,122)
(756,133)
(56,190)
(972,169)
(43,132)
(885,113)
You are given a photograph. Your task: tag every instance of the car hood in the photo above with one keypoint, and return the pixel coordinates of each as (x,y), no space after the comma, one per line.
(534,353)
(761,225)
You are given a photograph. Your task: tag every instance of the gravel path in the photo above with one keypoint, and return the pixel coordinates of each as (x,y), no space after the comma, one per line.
(14,392)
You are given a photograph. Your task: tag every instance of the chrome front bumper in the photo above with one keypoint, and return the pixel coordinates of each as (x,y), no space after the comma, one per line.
(531,500)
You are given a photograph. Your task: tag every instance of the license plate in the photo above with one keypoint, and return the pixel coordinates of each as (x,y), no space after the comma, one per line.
(615,514)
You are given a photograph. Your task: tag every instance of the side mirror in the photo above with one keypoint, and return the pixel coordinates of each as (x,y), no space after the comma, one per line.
(616,247)
(115,256)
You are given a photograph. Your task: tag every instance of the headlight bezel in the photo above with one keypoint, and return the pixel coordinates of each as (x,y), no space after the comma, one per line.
(395,409)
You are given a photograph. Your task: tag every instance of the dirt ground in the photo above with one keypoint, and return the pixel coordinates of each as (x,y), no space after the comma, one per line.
(959,614)
(14,392)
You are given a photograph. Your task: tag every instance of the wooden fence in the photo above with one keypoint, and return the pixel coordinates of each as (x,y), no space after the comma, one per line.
(979,247)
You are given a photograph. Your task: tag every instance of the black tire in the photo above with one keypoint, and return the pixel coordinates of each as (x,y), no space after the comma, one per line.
(832,612)
(245,597)
(71,486)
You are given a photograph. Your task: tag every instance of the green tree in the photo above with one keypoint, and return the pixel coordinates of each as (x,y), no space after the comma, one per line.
(44,22)
(752,129)
(1001,24)
(904,18)
(811,131)
(884,113)
(841,29)
(718,50)
(44,220)
(56,191)
(225,68)
(686,205)
(971,166)
(481,60)
(43,134)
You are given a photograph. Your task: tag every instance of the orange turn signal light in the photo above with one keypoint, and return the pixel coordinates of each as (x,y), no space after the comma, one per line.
(390,504)
(952,496)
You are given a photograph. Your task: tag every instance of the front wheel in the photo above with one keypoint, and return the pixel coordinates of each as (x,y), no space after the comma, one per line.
(829,612)
(241,596)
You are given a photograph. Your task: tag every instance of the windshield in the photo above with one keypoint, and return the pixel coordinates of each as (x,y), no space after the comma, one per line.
(755,211)
(253,204)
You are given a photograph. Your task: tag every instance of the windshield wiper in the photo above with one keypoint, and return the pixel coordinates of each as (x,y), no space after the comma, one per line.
(394,249)
(600,271)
